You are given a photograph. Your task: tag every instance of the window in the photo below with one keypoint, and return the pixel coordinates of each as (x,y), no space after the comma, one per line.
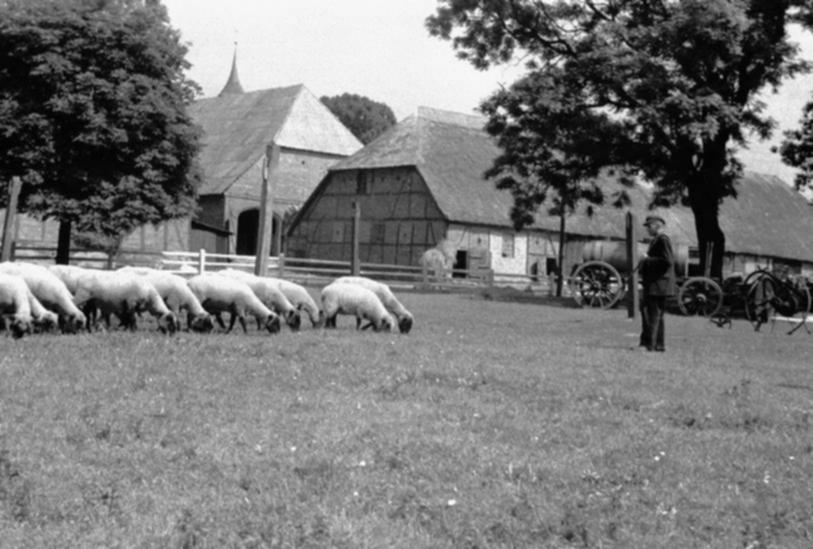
(362,182)
(508,245)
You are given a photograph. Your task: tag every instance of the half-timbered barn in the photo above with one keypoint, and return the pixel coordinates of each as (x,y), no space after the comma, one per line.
(423,181)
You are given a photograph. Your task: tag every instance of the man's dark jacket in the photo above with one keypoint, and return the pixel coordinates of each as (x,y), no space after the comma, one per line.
(658,268)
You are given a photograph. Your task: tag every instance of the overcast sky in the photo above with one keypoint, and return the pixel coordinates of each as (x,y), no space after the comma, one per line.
(376,48)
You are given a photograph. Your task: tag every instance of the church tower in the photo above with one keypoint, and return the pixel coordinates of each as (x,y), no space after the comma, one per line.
(233,84)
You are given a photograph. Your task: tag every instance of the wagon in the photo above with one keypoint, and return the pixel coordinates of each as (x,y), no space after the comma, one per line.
(602,281)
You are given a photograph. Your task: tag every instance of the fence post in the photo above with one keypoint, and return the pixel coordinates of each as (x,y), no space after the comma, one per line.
(201,261)
(6,247)
(265,226)
(281,265)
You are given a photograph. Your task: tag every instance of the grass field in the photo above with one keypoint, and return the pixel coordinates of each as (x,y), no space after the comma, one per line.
(492,424)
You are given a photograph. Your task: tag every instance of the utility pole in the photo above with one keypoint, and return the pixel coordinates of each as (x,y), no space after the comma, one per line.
(270,163)
(8,223)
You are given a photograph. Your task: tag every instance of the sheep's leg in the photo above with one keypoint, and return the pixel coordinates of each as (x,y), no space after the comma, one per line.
(231,322)
(242,320)
(219,319)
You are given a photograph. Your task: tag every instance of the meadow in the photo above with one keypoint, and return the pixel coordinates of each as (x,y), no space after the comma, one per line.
(492,424)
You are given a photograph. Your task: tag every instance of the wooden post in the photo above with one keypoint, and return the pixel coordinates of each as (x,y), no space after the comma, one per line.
(201,261)
(709,256)
(281,265)
(632,263)
(8,223)
(355,264)
(560,274)
(266,210)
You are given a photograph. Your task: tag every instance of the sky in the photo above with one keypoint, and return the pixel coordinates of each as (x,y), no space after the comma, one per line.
(381,49)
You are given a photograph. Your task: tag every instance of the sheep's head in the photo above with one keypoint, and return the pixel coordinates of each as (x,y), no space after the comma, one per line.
(387,324)
(168,323)
(47,322)
(320,320)
(405,324)
(19,328)
(72,323)
(293,319)
(273,324)
(202,323)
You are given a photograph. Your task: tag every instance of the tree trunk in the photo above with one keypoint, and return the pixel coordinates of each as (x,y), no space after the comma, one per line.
(706,208)
(63,246)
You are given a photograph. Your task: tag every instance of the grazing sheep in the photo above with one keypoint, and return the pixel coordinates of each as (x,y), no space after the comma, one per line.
(386,296)
(44,320)
(351,299)
(14,302)
(301,299)
(177,296)
(123,294)
(219,294)
(69,275)
(268,292)
(50,291)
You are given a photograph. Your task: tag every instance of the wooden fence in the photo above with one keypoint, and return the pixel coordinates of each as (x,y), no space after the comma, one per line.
(311,272)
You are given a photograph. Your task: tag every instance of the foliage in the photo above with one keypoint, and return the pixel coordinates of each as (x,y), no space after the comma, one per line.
(93,113)
(535,428)
(365,118)
(672,86)
(797,149)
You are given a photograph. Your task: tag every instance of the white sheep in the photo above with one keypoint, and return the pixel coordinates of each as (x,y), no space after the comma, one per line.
(219,294)
(355,300)
(301,299)
(14,302)
(44,320)
(50,291)
(404,317)
(177,296)
(69,275)
(123,294)
(269,293)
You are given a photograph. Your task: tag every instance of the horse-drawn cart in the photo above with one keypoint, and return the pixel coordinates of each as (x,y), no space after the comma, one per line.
(602,281)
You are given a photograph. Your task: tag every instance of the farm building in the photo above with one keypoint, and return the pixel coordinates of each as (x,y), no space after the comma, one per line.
(423,181)
(237,127)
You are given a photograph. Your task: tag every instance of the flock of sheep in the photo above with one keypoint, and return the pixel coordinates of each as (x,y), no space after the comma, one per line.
(36,298)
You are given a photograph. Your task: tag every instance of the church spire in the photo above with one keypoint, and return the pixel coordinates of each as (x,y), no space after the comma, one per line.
(233,84)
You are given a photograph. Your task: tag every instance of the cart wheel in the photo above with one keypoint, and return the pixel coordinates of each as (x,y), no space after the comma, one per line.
(700,296)
(761,298)
(596,284)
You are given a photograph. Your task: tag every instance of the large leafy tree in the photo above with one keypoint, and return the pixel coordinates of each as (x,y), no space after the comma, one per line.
(93,114)
(366,119)
(670,86)
(797,149)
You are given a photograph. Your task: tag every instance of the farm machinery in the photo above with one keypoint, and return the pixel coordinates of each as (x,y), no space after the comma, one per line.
(602,280)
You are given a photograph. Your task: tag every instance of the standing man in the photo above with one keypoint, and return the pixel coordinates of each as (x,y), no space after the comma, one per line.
(658,280)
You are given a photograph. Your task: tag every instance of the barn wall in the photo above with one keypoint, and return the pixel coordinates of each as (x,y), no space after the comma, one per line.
(399,218)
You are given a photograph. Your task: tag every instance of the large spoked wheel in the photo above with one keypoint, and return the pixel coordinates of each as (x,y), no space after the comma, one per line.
(768,296)
(700,296)
(596,284)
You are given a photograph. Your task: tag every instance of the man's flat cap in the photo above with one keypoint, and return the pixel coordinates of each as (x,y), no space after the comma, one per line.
(653,218)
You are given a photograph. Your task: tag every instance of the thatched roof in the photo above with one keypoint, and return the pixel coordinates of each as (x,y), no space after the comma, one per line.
(451,151)
(238,126)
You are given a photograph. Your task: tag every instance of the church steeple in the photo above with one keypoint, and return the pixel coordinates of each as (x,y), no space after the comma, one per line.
(233,84)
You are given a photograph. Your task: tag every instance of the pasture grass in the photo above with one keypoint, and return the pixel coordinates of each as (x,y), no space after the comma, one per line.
(491,425)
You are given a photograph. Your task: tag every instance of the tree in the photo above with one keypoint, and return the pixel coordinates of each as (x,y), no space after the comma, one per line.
(797,149)
(671,84)
(93,114)
(365,118)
